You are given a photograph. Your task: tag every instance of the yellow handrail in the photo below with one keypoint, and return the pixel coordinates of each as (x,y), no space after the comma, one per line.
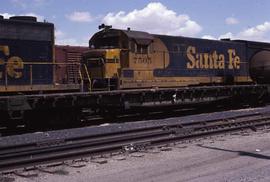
(88,77)
(49,63)
(81,78)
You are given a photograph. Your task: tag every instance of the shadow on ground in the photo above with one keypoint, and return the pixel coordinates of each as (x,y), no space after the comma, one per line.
(240,153)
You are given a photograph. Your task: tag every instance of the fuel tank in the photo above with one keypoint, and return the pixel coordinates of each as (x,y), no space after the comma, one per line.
(260,67)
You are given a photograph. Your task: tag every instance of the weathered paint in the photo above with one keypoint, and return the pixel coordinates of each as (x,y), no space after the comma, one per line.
(190,56)
(23,46)
(68,59)
(167,61)
(112,63)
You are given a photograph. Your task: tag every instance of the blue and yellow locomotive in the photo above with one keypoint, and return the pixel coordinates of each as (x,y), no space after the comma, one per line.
(126,59)
(123,59)
(27,57)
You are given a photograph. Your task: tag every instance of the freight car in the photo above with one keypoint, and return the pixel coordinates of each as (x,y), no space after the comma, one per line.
(27,58)
(125,59)
(68,58)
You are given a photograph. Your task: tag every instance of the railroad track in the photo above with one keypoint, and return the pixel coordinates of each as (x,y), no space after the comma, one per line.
(35,154)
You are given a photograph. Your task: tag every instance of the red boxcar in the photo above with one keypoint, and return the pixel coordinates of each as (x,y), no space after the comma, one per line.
(68,59)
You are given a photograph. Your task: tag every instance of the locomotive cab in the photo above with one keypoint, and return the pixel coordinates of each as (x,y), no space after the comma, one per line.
(109,59)
(102,67)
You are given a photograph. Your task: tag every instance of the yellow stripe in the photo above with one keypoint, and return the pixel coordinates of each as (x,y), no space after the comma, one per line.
(242,79)
(29,88)
(176,81)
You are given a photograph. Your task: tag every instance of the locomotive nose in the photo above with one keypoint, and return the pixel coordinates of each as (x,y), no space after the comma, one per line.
(94,58)
(260,67)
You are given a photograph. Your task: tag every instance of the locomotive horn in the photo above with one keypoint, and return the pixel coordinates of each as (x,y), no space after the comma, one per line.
(103,26)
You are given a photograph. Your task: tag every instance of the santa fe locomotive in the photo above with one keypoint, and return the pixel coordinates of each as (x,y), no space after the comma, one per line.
(41,82)
(122,59)
(31,63)
(125,59)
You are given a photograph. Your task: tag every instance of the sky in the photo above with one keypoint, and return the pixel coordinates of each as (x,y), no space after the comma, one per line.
(77,20)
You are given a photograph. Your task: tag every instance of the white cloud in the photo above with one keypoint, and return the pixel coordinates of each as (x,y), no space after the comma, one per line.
(228,35)
(8,15)
(80,16)
(62,38)
(257,33)
(67,41)
(210,37)
(231,21)
(154,18)
(71,41)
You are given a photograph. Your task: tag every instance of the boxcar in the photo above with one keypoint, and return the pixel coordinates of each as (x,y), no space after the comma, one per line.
(68,59)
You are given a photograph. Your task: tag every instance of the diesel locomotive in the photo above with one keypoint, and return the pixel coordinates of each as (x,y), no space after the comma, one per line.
(127,59)
(27,58)
(121,59)
(131,62)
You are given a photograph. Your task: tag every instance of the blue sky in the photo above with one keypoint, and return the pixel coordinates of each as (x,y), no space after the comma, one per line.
(77,20)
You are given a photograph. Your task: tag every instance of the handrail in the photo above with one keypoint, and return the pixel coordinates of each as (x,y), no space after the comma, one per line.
(31,67)
(88,77)
(81,78)
(49,63)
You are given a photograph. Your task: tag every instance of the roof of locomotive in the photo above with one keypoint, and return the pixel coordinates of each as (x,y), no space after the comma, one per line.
(26,28)
(24,20)
(145,38)
(226,40)
(138,36)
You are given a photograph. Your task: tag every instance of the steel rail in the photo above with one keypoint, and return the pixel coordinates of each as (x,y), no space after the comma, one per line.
(10,149)
(34,155)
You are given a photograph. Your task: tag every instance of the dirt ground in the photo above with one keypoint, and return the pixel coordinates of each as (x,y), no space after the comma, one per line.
(232,157)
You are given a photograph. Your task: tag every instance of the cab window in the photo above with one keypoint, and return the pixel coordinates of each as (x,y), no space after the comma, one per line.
(143,49)
(139,49)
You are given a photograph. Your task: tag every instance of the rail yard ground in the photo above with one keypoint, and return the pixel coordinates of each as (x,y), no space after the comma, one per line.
(239,156)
